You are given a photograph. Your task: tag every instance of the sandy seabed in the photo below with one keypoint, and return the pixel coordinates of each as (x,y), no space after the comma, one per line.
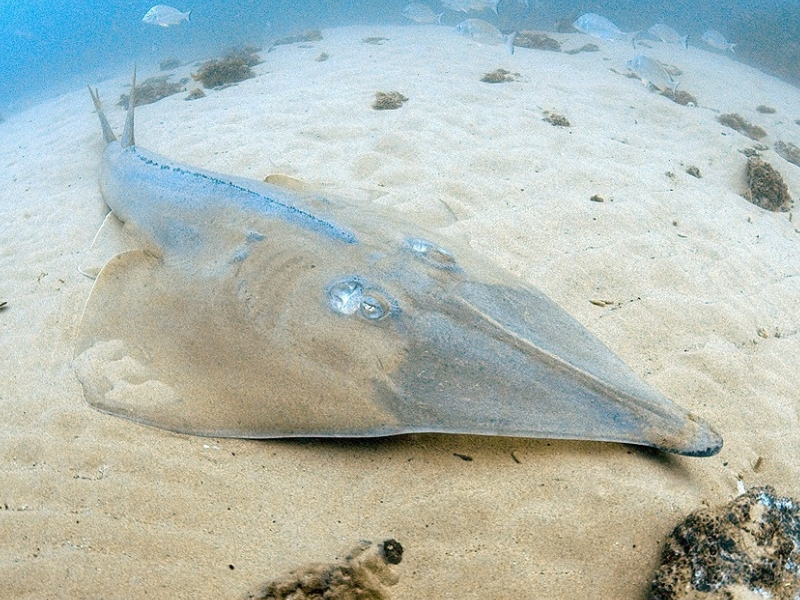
(703,292)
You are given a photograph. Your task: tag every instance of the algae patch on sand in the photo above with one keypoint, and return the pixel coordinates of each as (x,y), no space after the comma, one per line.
(152,90)
(232,68)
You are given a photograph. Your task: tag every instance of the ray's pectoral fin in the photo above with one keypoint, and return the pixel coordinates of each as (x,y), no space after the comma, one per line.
(208,352)
(112,239)
(109,241)
(114,369)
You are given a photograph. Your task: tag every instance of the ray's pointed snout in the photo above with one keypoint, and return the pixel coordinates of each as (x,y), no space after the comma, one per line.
(498,360)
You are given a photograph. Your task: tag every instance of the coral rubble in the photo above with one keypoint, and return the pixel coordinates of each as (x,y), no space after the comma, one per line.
(388,100)
(364,574)
(765,186)
(749,548)
(737,122)
(556,119)
(537,41)
(499,76)
(788,151)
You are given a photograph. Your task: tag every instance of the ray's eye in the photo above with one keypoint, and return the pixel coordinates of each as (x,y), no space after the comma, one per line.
(431,253)
(351,296)
(374,306)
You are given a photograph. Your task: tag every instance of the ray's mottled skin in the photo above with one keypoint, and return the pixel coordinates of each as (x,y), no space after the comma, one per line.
(255,311)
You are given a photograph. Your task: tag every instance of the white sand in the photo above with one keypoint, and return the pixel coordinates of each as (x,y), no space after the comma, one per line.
(98,507)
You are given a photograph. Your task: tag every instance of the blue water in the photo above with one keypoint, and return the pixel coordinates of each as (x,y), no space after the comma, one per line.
(50,46)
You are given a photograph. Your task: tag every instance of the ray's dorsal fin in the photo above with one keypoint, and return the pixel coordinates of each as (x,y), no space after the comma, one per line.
(108,134)
(127,134)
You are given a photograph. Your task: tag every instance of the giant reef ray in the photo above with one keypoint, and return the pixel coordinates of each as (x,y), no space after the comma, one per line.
(256,311)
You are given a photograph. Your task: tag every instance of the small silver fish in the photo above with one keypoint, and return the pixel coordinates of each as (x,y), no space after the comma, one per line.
(717,40)
(668,35)
(165,16)
(600,27)
(471,5)
(421,13)
(652,72)
(485,33)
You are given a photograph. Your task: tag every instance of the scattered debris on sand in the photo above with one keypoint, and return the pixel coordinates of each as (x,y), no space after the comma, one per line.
(585,48)
(364,574)
(232,68)
(694,171)
(737,122)
(749,548)
(536,41)
(499,76)
(788,151)
(556,119)
(765,186)
(388,100)
(312,35)
(597,198)
(765,110)
(323,56)
(152,90)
